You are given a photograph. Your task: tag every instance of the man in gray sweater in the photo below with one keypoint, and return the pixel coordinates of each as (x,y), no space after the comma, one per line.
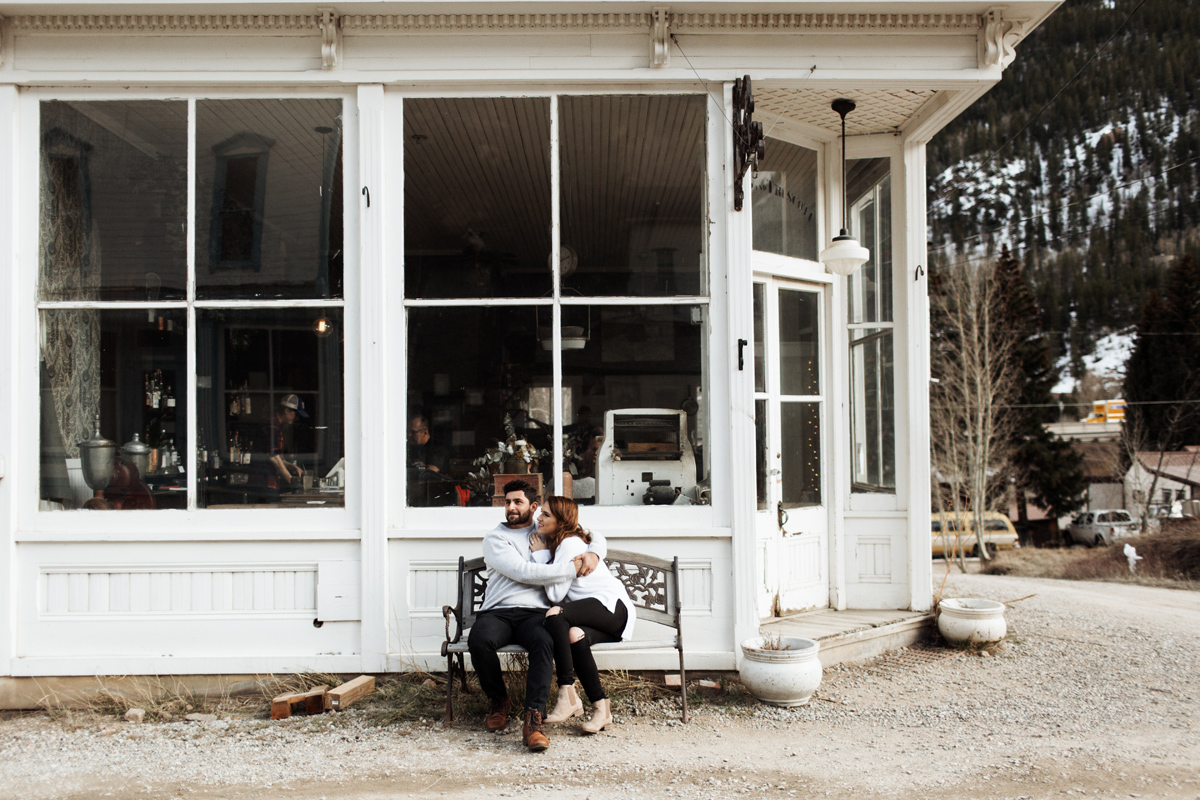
(513,609)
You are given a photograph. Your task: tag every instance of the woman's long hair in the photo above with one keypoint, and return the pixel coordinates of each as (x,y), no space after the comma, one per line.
(566,511)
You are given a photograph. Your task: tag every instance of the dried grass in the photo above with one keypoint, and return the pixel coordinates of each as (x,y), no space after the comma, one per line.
(1169,558)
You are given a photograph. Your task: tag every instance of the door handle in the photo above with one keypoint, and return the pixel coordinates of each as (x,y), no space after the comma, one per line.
(781,515)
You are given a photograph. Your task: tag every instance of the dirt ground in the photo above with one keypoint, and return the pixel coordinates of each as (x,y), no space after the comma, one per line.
(1095,693)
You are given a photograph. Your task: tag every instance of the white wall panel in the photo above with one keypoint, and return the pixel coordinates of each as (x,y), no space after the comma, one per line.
(216,607)
(117,590)
(877,560)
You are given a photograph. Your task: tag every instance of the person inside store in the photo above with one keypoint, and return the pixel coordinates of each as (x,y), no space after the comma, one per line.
(281,444)
(514,608)
(587,609)
(423,451)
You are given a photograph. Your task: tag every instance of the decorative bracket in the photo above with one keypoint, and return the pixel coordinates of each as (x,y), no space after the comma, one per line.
(331,38)
(999,37)
(748,145)
(660,37)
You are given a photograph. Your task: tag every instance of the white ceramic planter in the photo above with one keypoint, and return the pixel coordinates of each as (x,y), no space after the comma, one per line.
(781,677)
(964,621)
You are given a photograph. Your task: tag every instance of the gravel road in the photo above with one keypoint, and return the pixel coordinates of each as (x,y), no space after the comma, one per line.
(1094,694)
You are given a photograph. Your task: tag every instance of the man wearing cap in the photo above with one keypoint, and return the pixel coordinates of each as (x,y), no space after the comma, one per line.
(281,441)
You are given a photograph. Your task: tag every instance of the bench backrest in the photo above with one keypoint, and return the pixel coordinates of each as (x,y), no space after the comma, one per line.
(652,583)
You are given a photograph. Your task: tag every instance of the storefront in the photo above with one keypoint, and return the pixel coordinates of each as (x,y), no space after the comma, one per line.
(287,292)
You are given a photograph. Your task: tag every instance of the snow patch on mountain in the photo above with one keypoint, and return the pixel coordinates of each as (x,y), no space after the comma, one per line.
(1106,361)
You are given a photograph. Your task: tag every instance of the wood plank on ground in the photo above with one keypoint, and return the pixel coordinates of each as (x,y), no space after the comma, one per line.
(310,702)
(343,696)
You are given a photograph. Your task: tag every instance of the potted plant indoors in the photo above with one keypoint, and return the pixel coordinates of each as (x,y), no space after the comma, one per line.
(781,670)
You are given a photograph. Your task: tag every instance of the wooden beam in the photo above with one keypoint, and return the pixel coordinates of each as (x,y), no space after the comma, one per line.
(346,694)
(310,702)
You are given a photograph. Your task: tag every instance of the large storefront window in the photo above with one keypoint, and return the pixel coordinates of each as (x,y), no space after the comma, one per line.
(176,382)
(872,366)
(612,409)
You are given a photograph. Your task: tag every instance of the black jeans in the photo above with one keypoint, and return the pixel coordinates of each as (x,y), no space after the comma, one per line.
(598,625)
(503,626)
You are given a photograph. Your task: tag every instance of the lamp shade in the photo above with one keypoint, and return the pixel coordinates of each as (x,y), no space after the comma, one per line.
(844,255)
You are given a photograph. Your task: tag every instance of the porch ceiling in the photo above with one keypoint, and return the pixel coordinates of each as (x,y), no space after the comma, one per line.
(878,111)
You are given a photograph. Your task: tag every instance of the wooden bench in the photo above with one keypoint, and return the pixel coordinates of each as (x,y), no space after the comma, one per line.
(653,585)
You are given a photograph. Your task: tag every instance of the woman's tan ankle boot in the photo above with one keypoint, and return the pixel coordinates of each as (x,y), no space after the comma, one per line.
(601,717)
(566,706)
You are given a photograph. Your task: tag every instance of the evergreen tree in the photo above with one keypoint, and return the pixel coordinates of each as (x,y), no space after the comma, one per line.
(1045,465)
(1162,377)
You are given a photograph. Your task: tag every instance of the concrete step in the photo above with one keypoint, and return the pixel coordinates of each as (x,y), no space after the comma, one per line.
(854,635)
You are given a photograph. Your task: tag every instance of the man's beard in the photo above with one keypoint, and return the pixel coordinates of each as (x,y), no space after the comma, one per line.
(518,520)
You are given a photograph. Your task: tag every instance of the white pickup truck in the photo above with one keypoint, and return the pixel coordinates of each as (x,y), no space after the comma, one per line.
(1101,527)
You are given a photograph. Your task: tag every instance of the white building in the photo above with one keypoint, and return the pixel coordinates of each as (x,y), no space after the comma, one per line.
(391,209)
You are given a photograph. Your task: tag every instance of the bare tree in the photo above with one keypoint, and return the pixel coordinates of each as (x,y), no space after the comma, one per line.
(971,419)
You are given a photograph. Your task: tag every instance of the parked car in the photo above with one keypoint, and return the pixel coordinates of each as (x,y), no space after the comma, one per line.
(1101,527)
(998,532)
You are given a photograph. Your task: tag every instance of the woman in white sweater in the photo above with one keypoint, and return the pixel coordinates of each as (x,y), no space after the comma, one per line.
(586,611)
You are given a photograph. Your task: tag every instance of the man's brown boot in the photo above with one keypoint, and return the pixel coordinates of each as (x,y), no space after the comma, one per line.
(533,733)
(497,716)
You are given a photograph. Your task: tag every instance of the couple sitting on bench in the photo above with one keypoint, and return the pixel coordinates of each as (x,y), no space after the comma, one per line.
(545,593)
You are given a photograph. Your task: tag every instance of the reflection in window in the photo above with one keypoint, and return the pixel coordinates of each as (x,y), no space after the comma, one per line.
(872,410)
(870,287)
(872,368)
(633,195)
(126,367)
(238,194)
(477,197)
(784,195)
(270,413)
(269,199)
(113,200)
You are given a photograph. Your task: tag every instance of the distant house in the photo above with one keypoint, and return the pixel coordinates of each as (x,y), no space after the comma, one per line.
(1163,478)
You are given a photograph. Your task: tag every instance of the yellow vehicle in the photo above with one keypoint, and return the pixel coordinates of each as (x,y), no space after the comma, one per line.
(998,532)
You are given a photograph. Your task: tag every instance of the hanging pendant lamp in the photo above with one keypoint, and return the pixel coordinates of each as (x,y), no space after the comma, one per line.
(844,254)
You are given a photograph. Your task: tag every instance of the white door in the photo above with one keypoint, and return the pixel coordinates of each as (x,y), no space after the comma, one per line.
(790,420)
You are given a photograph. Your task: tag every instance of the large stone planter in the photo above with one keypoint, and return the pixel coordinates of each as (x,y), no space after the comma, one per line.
(965,621)
(781,677)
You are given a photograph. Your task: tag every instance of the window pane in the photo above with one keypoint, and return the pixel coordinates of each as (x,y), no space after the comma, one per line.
(469,371)
(268,198)
(799,353)
(785,201)
(760,347)
(800,428)
(114,200)
(128,367)
(872,410)
(477,197)
(641,378)
(270,407)
(870,287)
(633,195)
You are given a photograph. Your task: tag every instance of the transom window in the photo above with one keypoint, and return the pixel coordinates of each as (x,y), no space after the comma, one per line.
(191,304)
(556,292)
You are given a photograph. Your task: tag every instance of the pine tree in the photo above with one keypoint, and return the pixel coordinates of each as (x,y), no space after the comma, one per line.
(1162,377)
(1045,466)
